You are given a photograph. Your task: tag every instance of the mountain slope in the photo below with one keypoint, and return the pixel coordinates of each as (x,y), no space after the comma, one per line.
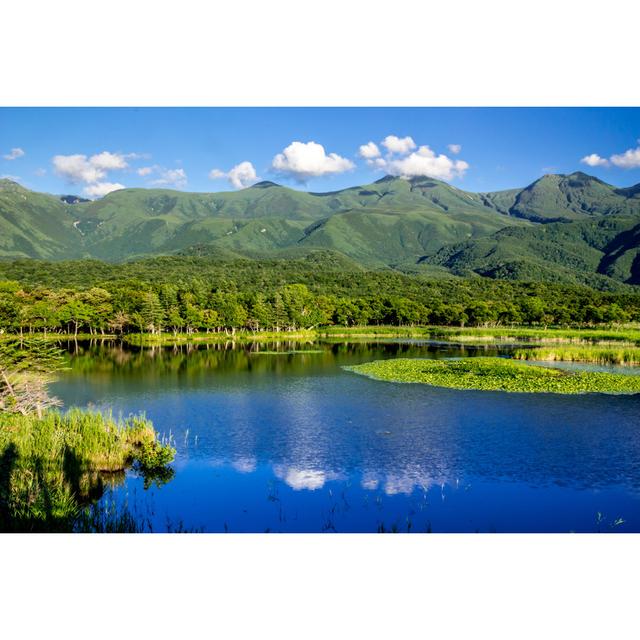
(562,198)
(587,252)
(569,228)
(420,215)
(35,225)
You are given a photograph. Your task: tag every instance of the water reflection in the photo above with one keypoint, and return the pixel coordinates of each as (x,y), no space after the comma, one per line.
(286,441)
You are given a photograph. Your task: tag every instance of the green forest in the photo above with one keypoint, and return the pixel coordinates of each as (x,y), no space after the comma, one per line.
(186,294)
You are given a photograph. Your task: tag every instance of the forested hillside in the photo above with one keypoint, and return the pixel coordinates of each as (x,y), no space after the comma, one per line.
(187,294)
(572,229)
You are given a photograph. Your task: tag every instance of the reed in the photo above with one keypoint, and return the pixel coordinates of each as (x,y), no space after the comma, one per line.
(53,466)
(597,354)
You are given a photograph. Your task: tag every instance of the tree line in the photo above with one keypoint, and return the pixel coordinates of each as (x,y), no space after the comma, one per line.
(138,306)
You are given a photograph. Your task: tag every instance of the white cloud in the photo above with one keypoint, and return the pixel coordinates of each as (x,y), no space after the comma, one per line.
(171,177)
(241,176)
(79,168)
(594,160)
(424,162)
(15,153)
(454,148)
(99,189)
(145,171)
(76,168)
(630,159)
(107,161)
(369,151)
(393,144)
(304,160)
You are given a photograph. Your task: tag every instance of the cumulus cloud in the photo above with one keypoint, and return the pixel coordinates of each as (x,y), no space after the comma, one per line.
(393,144)
(630,159)
(99,189)
(369,151)
(171,178)
(304,160)
(594,160)
(425,162)
(107,161)
(241,176)
(145,171)
(404,158)
(78,167)
(14,154)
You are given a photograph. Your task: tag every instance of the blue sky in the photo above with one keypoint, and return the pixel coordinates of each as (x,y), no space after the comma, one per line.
(92,150)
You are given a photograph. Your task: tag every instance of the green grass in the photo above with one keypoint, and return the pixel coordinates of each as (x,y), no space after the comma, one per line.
(151,340)
(496,374)
(375,331)
(52,467)
(598,354)
(286,353)
(628,334)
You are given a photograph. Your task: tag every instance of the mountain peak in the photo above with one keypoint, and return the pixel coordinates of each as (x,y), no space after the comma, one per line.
(264,184)
(387,178)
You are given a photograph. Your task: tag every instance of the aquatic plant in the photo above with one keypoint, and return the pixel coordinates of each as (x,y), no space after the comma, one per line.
(50,467)
(496,374)
(602,355)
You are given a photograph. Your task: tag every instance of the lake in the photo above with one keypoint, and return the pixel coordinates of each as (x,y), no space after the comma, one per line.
(290,442)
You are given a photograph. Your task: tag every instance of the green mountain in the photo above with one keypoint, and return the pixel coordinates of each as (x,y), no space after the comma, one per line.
(34,225)
(567,228)
(598,252)
(392,221)
(564,198)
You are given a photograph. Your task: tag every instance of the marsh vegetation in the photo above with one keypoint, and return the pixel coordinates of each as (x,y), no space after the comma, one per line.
(496,374)
(620,355)
(53,465)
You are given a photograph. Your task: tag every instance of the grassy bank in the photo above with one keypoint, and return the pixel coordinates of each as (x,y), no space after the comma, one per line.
(170,339)
(496,374)
(551,335)
(628,334)
(52,467)
(541,335)
(629,355)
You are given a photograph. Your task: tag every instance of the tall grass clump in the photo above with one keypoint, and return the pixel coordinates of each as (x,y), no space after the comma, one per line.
(53,466)
(597,354)
(542,335)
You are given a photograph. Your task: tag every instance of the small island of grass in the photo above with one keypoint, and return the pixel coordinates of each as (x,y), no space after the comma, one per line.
(496,374)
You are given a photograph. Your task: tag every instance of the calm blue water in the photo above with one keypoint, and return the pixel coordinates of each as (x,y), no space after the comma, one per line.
(294,443)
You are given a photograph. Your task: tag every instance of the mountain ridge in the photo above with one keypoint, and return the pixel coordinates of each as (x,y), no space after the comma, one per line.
(573,227)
